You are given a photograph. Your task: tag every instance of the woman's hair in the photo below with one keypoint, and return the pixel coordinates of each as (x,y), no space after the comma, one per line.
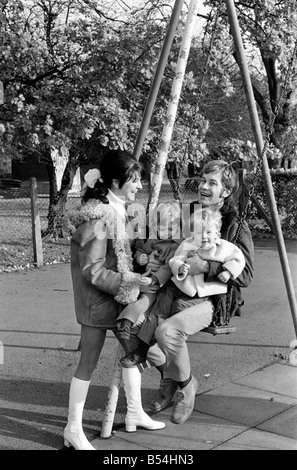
(114,165)
(229,176)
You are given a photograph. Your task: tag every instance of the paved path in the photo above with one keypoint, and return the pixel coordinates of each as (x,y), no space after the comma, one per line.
(248,390)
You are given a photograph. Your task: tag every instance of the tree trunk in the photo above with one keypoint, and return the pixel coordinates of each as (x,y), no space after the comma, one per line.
(174,178)
(58,199)
(282,121)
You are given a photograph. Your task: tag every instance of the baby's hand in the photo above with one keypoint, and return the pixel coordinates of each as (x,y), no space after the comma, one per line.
(142,259)
(224,276)
(184,269)
(145,280)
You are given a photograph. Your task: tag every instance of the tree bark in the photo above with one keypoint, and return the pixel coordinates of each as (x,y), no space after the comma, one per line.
(58,199)
(282,121)
(173,176)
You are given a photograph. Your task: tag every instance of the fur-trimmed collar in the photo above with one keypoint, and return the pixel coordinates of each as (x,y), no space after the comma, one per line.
(93,209)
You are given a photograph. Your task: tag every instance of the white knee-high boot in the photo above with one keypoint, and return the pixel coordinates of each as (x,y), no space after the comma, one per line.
(136,416)
(73,433)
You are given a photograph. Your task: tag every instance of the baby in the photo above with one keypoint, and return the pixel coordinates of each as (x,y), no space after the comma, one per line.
(205,242)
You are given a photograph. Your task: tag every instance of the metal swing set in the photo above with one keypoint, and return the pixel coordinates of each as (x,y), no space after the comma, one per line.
(218,325)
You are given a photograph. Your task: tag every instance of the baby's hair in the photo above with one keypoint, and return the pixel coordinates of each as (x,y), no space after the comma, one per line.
(207,217)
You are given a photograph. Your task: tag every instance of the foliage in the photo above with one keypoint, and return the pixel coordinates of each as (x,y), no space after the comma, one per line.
(284,184)
(87,77)
(79,73)
(269,33)
(246,151)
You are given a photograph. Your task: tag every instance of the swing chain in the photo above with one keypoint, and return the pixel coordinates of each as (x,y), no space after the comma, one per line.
(257,171)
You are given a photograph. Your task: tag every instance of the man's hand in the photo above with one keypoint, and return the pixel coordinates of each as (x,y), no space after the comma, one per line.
(197,265)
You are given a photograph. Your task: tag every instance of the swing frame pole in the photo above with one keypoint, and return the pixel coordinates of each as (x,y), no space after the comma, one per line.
(149,108)
(173,104)
(265,167)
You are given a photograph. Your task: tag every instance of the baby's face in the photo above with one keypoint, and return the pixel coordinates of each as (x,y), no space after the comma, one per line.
(209,235)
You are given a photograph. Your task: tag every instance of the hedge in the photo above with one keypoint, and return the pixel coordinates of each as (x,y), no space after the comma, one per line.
(284,184)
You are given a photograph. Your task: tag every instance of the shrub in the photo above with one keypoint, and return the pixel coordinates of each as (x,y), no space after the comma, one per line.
(284,184)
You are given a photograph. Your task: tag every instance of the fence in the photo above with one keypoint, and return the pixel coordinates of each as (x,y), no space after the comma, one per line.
(16,245)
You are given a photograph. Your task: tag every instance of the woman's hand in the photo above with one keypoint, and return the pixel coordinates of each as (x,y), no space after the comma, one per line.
(145,280)
(149,285)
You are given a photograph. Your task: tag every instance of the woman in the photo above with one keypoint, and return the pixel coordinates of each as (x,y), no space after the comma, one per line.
(103,282)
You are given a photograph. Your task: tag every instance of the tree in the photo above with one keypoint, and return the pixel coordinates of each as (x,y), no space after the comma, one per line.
(269,33)
(78,77)
(65,83)
(77,73)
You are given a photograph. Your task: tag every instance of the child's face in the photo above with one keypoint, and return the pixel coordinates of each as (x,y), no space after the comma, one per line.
(209,235)
(168,226)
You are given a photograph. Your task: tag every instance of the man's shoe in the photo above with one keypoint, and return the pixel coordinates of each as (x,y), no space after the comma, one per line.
(166,392)
(184,402)
(132,359)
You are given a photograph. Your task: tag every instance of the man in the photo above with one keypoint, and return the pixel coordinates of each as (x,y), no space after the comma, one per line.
(189,315)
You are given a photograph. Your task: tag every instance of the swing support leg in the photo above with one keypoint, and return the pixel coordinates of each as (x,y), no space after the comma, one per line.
(149,108)
(173,104)
(113,396)
(260,146)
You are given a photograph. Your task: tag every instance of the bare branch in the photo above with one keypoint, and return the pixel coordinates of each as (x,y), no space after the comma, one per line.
(101,13)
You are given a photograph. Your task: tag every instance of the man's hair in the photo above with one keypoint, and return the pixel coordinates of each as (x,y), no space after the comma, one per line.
(229,176)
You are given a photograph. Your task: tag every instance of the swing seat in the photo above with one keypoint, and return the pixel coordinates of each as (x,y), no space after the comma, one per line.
(219,330)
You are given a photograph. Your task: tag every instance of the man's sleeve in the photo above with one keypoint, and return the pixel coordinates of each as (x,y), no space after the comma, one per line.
(246,245)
